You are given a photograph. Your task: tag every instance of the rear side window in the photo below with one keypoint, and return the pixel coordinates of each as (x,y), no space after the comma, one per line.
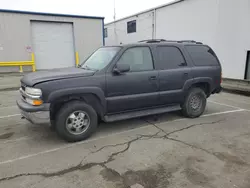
(169,58)
(202,55)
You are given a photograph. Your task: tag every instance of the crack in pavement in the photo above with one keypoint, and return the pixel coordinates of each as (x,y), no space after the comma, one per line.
(80,166)
(194,125)
(86,166)
(190,145)
(121,144)
(219,156)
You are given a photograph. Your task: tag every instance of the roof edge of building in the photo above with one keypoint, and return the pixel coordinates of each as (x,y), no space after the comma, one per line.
(48,14)
(148,10)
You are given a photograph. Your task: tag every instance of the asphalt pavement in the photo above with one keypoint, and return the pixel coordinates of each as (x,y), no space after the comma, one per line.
(151,152)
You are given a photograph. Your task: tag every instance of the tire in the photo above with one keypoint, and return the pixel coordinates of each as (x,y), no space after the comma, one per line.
(75,114)
(195,109)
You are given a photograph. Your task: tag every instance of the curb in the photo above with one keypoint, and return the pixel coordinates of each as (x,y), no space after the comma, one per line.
(235,91)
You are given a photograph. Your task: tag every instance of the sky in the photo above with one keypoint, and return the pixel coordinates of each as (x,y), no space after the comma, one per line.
(103,8)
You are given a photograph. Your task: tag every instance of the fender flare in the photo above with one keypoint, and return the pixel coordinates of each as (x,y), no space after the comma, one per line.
(98,92)
(190,83)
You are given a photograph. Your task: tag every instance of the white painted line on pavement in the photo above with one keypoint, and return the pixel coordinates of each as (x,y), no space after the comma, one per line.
(8,116)
(207,115)
(222,104)
(4,107)
(16,140)
(67,146)
(226,112)
(237,101)
(11,125)
(95,139)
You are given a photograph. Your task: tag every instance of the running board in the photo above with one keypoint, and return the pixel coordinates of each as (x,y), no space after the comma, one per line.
(135,114)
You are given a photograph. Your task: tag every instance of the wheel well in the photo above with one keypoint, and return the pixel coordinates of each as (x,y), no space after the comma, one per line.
(90,99)
(204,86)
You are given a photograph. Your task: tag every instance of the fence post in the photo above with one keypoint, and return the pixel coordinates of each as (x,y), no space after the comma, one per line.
(20,68)
(77,59)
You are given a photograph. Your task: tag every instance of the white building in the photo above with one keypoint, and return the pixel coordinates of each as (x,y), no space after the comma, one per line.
(222,24)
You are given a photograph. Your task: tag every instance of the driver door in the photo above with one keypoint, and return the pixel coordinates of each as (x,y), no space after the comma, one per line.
(137,88)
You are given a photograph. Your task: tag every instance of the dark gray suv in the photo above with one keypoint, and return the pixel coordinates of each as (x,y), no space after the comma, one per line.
(122,82)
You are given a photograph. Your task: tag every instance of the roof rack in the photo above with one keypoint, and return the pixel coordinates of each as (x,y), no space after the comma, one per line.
(163,40)
(153,40)
(189,41)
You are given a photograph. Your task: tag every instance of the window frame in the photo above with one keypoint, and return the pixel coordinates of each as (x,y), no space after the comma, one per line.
(152,58)
(181,52)
(130,22)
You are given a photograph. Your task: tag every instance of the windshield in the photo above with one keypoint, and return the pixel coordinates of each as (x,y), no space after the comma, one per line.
(100,58)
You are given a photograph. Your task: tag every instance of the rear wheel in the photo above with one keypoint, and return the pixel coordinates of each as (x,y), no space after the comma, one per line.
(195,103)
(76,121)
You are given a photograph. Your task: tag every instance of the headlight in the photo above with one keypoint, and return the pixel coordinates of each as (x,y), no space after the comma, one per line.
(33,91)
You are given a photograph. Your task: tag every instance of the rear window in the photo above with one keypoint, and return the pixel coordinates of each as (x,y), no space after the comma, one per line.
(202,55)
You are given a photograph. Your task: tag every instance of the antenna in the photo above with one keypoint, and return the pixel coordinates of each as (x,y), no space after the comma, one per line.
(115,24)
(114,11)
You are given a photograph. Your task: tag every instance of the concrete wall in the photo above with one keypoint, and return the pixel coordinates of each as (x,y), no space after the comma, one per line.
(15,35)
(233,36)
(222,24)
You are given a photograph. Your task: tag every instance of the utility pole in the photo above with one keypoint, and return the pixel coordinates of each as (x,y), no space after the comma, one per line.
(115,24)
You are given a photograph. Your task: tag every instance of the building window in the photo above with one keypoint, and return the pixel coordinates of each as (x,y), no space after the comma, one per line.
(131,26)
(105,32)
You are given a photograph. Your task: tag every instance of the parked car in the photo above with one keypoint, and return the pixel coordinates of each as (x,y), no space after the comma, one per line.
(122,82)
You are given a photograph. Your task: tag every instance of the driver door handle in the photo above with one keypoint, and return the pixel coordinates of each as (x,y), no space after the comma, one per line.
(152,78)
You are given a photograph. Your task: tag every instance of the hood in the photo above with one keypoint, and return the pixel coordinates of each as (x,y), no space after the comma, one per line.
(55,74)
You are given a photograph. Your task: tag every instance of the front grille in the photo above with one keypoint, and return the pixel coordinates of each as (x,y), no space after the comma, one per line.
(23,88)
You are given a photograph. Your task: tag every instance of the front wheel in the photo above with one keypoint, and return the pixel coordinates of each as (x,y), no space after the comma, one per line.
(76,121)
(195,103)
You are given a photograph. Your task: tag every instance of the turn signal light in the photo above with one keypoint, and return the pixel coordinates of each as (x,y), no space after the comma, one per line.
(37,102)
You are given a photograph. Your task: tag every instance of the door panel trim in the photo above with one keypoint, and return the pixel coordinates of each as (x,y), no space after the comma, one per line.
(134,96)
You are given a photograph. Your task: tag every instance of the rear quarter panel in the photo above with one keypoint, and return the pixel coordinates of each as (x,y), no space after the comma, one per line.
(206,73)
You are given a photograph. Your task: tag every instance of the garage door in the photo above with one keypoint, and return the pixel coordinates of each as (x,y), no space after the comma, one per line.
(53,45)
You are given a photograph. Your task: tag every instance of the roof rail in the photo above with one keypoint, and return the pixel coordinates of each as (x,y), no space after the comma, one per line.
(163,40)
(153,40)
(189,41)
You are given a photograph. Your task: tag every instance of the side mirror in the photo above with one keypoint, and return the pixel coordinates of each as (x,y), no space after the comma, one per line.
(121,68)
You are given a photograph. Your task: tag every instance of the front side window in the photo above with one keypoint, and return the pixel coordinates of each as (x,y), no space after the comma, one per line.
(138,58)
(131,26)
(100,58)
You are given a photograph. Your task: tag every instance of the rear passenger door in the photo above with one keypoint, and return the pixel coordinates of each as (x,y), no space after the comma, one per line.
(173,73)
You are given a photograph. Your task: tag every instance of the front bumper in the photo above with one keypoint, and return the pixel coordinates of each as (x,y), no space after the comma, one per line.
(34,114)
